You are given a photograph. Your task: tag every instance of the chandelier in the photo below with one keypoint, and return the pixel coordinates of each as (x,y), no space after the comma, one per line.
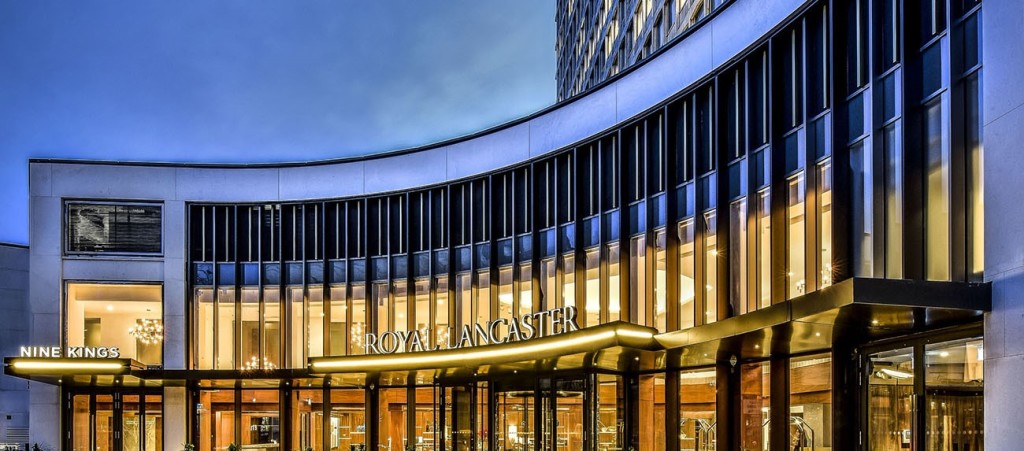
(254,364)
(148,331)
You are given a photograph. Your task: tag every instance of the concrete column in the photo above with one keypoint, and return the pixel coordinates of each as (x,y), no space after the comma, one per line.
(175,418)
(1003,115)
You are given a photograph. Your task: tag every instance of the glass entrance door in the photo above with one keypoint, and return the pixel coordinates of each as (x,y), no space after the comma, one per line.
(115,422)
(928,396)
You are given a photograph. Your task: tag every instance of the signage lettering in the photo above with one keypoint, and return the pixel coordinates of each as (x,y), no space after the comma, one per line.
(527,327)
(72,352)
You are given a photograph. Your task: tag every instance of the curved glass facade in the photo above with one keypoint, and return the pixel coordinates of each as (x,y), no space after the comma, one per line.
(784,254)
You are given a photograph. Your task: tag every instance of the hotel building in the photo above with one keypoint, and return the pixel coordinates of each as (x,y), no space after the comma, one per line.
(777,231)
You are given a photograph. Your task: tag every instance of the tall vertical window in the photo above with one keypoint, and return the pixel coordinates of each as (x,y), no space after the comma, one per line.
(592,272)
(225,329)
(638,280)
(862,209)
(937,194)
(298,327)
(526,304)
(315,324)
(359,325)
(339,320)
(824,196)
(569,280)
(441,317)
(810,402)
(764,249)
(796,264)
(755,390)
(687,275)
(483,297)
(660,288)
(710,268)
(548,287)
(421,303)
(893,152)
(505,298)
(271,328)
(738,257)
(614,294)
(464,298)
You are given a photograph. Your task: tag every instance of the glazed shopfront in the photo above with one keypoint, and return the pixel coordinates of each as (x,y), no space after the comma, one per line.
(606,387)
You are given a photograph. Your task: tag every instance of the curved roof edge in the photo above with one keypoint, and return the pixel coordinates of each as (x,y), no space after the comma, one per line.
(727,35)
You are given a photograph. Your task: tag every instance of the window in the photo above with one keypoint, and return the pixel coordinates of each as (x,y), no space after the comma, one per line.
(796,267)
(710,268)
(824,195)
(764,249)
(687,309)
(937,194)
(810,402)
(698,401)
(738,257)
(95,228)
(124,316)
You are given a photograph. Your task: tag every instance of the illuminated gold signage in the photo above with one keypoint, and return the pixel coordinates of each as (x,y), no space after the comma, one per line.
(503,330)
(71,352)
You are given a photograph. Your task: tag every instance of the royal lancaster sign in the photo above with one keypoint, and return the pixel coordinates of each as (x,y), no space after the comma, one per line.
(71,352)
(503,330)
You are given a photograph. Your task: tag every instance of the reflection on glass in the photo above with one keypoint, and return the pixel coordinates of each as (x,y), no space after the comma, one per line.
(955,381)
(483,297)
(421,302)
(890,399)
(825,222)
(755,386)
(738,257)
(810,402)
(216,411)
(464,298)
(652,412)
(339,320)
(569,280)
(893,201)
(862,209)
(710,267)
(614,294)
(204,326)
(347,428)
(548,293)
(697,410)
(441,324)
(569,420)
(271,327)
(764,249)
(686,275)
(80,423)
(307,417)
(424,434)
(660,288)
(298,329)
(131,419)
(250,327)
(505,298)
(129,317)
(796,269)
(593,289)
(391,423)
(525,290)
(610,412)
(315,331)
(359,328)
(226,328)
(937,194)
(401,313)
(638,281)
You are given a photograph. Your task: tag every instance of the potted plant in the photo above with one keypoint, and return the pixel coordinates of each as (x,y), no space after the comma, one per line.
(188,447)
(233,447)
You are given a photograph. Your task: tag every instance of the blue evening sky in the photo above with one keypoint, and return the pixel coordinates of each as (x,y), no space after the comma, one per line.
(234,81)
